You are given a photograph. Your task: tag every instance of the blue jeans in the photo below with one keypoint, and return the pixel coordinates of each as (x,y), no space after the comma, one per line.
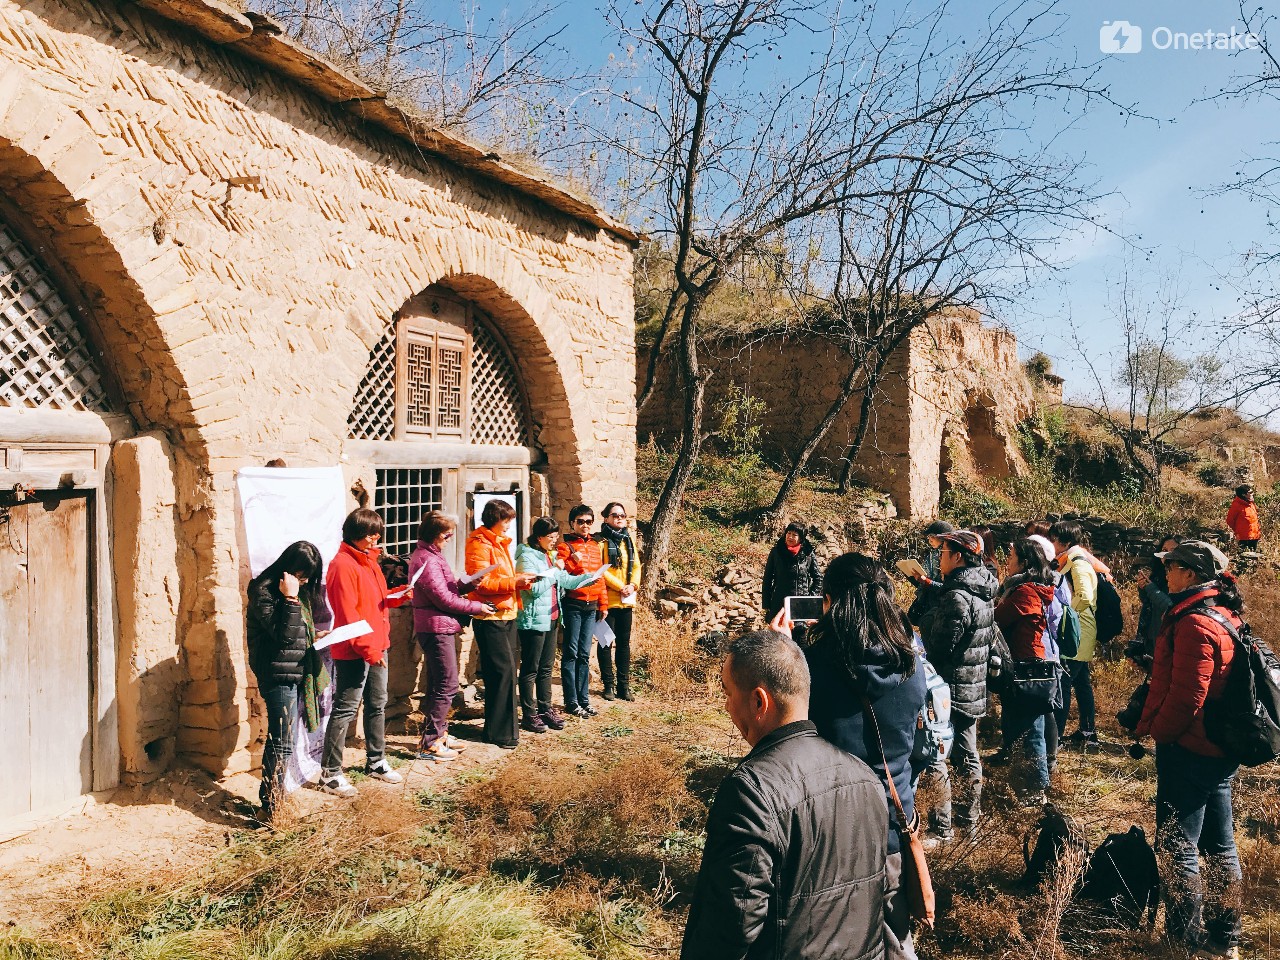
(1026,721)
(282,712)
(1194,818)
(1077,678)
(968,764)
(575,660)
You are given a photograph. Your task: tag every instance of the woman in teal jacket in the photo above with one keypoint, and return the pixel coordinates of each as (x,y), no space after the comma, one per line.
(536,622)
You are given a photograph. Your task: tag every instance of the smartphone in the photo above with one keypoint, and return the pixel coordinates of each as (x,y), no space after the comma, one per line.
(803,609)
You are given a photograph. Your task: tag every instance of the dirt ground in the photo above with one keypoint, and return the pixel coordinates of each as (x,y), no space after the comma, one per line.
(177,822)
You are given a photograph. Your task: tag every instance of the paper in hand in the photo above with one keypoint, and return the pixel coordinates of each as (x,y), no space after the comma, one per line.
(348,632)
(603,633)
(911,568)
(479,574)
(408,587)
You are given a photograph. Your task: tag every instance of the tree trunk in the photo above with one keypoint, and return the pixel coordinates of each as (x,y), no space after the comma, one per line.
(847,390)
(864,421)
(667,512)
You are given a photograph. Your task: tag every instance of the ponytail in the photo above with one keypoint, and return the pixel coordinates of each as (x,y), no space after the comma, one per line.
(1229,594)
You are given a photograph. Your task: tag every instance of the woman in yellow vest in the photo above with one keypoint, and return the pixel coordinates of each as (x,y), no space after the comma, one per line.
(622,580)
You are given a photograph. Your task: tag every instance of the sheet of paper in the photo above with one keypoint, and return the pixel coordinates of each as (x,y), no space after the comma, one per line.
(479,574)
(348,632)
(603,633)
(631,600)
(911,568)
(408,587)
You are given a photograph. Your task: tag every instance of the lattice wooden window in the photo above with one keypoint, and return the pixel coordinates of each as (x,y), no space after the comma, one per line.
(373,415)
(497,404)
(441,373)
(45,359)
(402,497)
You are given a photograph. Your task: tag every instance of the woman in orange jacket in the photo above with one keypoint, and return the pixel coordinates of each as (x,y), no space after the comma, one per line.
(496,635)
(1242,518)
(583,607)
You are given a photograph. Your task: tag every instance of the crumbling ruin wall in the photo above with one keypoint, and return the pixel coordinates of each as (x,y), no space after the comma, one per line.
(951,397)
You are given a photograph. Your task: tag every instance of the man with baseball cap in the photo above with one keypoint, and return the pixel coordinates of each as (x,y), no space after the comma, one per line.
(1192,659)
(958,632)
(929,586)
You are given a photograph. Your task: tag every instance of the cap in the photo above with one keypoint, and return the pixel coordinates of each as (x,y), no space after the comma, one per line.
(1045,546)
(1203,558)
(938,528)
(965,540)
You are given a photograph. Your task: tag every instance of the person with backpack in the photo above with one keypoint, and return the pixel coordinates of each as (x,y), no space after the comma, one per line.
(958,634)
(285,602)
(1080,578)
(792,570)
(1242,518)
(868,688)
(1192,662)
(1022,613)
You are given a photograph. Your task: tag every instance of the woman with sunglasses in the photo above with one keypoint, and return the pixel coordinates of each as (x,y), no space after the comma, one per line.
(622,582)
(582,608)
(437,604)
(285,600)
(358,591)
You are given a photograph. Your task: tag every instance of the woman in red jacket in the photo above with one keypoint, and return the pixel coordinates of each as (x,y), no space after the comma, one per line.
(358,591)
(1192,658)
(1022,610)
(1242,518)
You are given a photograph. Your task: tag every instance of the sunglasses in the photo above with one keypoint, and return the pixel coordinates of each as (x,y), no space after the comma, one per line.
(584,521)
(616,516)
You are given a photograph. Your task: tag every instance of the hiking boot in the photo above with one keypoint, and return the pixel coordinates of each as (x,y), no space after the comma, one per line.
(339,786)
(1001,758)
(625,693)
(932,839)
(533,724)
(609,694)
(1081,739)
(382,770)
(553,720)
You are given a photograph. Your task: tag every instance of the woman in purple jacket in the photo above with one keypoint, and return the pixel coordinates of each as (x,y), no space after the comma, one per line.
(437,603)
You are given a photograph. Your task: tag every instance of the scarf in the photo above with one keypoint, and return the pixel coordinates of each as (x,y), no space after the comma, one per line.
(613,540)
(315,678)
(794,551)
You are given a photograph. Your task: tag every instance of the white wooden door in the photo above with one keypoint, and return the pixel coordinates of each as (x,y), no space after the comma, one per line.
(45,667)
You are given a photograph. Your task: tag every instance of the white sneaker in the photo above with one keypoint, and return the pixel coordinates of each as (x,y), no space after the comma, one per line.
(338,786)
(382,770)
(453,743)
(442,752)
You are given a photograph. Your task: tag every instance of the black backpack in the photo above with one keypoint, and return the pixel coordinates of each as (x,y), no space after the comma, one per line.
(1056,834)
(1110,614)
(1123,878)
(1245,720)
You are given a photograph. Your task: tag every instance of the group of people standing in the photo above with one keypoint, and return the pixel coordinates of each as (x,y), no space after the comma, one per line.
(516,598)
(857,681)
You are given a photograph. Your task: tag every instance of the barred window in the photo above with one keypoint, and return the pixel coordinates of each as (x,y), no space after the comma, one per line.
(402,497)
(45,358)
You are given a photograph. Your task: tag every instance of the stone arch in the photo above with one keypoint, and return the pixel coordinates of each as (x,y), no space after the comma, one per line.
(987,447)
(87,218)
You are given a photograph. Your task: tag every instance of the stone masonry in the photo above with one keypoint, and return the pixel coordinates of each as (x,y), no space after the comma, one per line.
(242,220)
(954,390)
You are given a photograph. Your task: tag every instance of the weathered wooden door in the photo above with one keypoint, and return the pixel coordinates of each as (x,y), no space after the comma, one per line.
(45,704)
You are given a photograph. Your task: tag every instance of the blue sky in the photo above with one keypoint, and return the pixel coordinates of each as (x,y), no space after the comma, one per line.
(1157,170)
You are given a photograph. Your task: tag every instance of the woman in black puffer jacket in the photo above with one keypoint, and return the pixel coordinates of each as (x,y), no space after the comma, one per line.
(792,570)
(285,600)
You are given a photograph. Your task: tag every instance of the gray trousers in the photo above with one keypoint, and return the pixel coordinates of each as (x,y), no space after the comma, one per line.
(897,912)
(968,764)
(354,681)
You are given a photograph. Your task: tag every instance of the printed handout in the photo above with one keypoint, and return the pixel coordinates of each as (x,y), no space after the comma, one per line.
(347,632)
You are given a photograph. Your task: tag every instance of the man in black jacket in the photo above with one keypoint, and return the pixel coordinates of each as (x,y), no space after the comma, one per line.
(958,632)
(795,854)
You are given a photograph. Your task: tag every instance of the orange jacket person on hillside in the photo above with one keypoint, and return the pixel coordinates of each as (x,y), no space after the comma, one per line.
(1243,520)
(496,636)
(358,591)
(583,607)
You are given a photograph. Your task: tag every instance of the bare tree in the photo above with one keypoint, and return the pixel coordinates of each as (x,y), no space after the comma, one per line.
(494,78)
(743,160)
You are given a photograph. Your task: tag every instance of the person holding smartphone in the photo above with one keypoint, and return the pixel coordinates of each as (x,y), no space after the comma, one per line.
(622,586)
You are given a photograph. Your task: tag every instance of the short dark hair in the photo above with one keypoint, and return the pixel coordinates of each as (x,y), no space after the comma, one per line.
(766,658)
(1068,532)
(1033,561)
(1243,489)
(495,511)
(609,508)
(434,523)
(1036,528)
(541,527)
(579,510)
(360,523)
